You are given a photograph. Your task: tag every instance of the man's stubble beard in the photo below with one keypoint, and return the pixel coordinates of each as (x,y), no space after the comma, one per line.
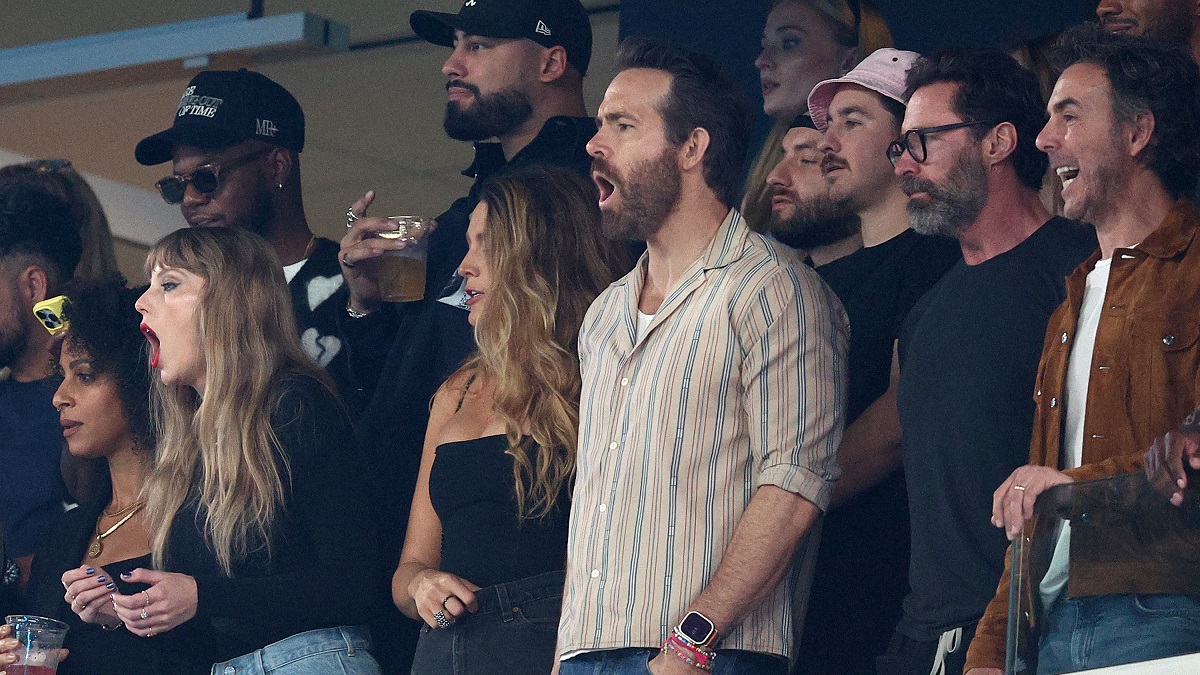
(649,194)
(952,206)
(491,116)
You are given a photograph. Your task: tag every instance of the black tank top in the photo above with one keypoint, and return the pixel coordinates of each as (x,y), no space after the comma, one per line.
(483,541)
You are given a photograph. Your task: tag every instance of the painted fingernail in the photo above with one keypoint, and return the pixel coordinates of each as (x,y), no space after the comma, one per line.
(126,575)
(91,570)
(100,579)
(110,585)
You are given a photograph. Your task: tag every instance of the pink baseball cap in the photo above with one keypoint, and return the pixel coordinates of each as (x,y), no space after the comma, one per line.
(883,72)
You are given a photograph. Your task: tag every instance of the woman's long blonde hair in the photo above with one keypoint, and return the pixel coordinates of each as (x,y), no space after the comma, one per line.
(548,259)
(223,444)
(841,19)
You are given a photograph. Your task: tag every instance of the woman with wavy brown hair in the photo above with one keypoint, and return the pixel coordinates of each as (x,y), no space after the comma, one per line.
(483,559)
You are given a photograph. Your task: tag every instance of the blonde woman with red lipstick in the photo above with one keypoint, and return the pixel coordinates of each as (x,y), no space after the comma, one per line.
(483,559)
(263,556)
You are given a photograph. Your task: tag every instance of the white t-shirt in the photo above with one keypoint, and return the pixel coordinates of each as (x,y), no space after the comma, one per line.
(643,324)
(290,271)
(1079,372)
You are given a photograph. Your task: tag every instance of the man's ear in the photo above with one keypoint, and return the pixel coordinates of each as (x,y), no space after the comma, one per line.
(693,149)
(279,164)
(553,64)
(33,285)
(1139,132)
(1000,143)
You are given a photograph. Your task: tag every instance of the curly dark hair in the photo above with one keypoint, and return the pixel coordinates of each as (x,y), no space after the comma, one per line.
(105,326)
(993,88)
(1147,75)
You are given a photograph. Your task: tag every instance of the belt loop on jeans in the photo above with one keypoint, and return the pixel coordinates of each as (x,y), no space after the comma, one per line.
(349,641)
(506,608)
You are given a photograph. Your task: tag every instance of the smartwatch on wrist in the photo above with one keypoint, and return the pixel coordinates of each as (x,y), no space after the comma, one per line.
(697,629)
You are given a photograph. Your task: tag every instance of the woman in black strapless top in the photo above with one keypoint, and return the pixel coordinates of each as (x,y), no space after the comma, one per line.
(483,559)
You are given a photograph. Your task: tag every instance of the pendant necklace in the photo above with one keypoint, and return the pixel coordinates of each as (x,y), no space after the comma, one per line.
(97,546)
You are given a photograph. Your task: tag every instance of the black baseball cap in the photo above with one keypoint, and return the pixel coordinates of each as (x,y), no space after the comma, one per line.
(220,108)
(550,23)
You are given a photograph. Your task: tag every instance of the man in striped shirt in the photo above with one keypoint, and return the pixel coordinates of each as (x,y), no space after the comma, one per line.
(714,393)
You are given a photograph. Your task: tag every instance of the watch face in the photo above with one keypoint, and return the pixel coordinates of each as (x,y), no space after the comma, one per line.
(696,628)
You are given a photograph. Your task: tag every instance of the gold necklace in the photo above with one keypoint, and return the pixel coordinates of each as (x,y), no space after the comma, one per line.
(121,511)
(97,546)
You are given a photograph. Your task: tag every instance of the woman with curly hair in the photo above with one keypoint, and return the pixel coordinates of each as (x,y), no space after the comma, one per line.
(103,406)
(262,552)
(483,559)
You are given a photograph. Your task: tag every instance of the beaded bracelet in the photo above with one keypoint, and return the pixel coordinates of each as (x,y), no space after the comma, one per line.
(693,655)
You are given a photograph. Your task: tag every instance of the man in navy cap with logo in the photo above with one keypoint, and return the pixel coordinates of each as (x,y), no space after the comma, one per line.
(235,148)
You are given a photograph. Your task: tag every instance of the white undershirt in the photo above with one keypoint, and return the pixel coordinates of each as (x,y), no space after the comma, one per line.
(290,271)
(643,324)
(1079,372)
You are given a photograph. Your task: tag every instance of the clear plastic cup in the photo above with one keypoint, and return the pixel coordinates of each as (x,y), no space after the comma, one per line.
(402,273)
(41,639)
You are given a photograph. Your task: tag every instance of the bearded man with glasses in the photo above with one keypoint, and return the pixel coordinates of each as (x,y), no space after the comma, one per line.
(969,348)
(235,148)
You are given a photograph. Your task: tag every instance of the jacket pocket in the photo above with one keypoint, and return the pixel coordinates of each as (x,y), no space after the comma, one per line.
(1165,361)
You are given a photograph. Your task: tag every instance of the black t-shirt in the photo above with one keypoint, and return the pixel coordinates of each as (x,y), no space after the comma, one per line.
(968,356)
(862,564)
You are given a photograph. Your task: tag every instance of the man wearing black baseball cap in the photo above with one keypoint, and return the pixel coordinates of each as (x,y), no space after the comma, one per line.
(235,146)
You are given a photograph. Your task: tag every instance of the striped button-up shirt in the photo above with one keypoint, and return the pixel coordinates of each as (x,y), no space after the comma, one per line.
(738,382)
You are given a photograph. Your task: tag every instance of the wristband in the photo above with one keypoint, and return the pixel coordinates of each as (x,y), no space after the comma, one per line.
(693,655)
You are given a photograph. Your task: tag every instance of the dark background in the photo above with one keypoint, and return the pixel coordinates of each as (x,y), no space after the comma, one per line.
(730,30)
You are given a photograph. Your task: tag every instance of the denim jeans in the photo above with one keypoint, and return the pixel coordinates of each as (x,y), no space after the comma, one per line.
(316,652)
(512,633)
(1110,630)
(633,662)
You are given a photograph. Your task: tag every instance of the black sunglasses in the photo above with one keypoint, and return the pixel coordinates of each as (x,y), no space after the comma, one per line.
(206,179)
(913,140)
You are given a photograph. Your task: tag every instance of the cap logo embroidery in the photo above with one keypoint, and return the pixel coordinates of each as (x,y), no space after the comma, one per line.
(542,28)
(265,128)
(190,104)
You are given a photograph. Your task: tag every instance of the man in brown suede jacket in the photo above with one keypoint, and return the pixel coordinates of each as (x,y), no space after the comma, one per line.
(1121,363)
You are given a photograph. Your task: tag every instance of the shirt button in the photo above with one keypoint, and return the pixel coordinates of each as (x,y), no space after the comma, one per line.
(612,446)
(1064,338)
(1053,402)
(603,508)
(595,573)
(1168,340)
(624,381)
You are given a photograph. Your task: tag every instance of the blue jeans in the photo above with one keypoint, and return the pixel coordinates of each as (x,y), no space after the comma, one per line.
(512,633)
(1110,630)
(315,652)
(633,662)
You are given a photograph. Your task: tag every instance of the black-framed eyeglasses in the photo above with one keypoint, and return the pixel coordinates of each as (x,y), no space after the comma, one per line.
(206,179)
(913,140)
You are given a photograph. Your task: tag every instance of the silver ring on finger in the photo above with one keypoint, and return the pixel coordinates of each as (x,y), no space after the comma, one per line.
(440,617)
(448,597)
(150,634)
(1019,487)
(143,614)
(351,216)
(346,263)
